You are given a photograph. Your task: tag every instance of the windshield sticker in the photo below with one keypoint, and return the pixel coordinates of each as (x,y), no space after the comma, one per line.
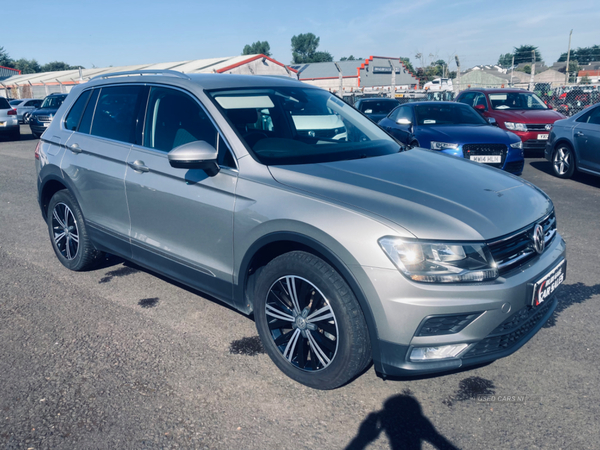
(426,121)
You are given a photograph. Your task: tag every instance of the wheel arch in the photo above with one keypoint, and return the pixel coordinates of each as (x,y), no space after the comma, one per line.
(275,244)
(50,184)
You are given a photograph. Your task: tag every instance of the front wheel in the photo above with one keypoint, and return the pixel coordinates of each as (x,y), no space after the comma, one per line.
(68,233)
(563,162)
(310,322)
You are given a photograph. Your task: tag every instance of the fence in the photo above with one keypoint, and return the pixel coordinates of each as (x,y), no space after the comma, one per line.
(38,90)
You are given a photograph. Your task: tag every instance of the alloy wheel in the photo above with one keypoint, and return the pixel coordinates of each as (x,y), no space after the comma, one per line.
(64,231)
(562,160)
(302,323)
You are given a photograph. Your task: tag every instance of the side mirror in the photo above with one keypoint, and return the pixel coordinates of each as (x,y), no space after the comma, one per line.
(492,121)
(195,155)
(403,121)
(479,108)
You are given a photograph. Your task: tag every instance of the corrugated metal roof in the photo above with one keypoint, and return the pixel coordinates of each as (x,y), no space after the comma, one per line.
(328,69)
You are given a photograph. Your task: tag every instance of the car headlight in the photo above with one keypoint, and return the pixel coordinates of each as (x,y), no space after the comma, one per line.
(515,126)
(440,262)
(442,145)
(517,144)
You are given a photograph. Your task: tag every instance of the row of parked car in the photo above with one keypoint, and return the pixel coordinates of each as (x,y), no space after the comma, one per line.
(36,112)
(495,127)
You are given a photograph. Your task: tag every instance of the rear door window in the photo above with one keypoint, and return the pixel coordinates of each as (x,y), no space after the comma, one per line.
(116,113)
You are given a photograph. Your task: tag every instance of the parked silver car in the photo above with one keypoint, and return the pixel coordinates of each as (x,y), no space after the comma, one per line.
(345,249)
(9,125)
(574,144)
(25,105)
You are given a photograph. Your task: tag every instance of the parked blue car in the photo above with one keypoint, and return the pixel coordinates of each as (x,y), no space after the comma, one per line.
(458,130)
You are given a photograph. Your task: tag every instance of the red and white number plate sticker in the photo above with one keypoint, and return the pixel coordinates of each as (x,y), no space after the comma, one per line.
(544,287)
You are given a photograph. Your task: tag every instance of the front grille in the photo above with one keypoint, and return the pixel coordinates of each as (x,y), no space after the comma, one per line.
(512,331)
(486,149)
(44,118)
(438,325)
(536,127)
(534,144)
(514,167)
(516,249)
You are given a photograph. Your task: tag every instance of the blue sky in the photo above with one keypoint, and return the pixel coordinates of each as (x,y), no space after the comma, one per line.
(112,32)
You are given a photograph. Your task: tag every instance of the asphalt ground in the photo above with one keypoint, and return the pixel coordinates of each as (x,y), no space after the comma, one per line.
(121,358)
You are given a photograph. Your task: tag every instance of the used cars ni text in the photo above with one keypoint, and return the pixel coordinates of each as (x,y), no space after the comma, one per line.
(345,249)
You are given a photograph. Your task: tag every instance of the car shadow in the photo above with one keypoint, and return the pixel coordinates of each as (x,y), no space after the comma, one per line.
(404,424)
(580,177)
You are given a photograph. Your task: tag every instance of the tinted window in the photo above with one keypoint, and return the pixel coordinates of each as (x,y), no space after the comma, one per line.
(173,119)
(53,101)
(447,113)
(4,104)
(88,115)
(116,113)
(467,98)
(592,116)
(15,102)
(378,107)
(74,115)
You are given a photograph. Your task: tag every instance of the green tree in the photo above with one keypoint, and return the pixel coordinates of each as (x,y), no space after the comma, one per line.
(585,80)
(527,69)
(349,58)
(5,59)
(257,48)
(27,66)
(55,66)
(505,60)
(583,55)
(304,49)
(407,64)
(523,54)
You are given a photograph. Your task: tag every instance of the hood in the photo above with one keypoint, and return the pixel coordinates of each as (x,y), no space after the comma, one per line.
(526,116)
(44,111)
(465,134)
(429,194)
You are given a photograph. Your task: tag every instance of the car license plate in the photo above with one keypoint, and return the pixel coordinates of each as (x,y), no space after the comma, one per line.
(543,137)
(486,158)
(544,287)
(46,124)
(2,124)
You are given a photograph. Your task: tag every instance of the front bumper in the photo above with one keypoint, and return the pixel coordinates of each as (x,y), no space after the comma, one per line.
(504,320)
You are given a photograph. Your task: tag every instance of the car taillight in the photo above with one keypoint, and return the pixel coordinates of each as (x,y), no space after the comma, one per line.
(37,150)
(12,112)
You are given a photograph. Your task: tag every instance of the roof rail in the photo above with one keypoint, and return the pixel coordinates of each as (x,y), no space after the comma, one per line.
(171,73)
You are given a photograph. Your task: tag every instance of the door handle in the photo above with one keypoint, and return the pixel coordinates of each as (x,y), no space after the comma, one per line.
(75,148)
(139,166)
(579,133)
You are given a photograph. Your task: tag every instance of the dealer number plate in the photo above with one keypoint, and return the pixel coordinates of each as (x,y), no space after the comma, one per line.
(486,158)
(543,137)
(544,287)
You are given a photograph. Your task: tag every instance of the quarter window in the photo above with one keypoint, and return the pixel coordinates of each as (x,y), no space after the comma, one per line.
(88,115)
(76,112)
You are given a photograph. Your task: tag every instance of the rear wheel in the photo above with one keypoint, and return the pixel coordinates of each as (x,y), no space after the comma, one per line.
(68,233)
(563,161)
(310,322)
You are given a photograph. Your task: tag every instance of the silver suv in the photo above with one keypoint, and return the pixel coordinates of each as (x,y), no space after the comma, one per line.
(343,246)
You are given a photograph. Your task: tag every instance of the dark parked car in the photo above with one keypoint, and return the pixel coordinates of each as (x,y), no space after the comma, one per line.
(376,108)
(516,110)
(457,130)
(40,119)
(574,144)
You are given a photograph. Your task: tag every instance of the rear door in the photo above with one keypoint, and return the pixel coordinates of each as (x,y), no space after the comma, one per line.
(96,156)
(181,220)
(586,135)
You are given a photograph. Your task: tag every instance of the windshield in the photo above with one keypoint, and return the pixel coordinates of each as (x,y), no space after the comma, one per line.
(15,102)
(297,125)
(447,114)
(516,100)
(53,102)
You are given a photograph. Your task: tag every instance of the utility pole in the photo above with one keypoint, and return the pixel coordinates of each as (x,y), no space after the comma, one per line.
(457,70)
(531,84)
(568,56)
(341,91)
(512,70)
(393,93)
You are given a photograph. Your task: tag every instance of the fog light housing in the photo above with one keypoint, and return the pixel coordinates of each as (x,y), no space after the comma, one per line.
(433,353)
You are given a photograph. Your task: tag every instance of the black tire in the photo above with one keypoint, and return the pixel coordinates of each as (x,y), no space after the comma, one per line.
(330,348)
(68,234)
(563,161)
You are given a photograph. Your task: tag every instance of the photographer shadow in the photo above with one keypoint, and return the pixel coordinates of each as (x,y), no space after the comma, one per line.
(402,420)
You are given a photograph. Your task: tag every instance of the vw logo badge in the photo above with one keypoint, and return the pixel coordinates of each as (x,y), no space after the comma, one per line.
(548,126)
(538,239)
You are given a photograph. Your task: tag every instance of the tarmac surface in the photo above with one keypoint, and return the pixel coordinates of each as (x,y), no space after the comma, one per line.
(119,357)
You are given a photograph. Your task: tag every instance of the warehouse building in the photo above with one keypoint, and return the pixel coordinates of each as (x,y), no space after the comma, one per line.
(38,85)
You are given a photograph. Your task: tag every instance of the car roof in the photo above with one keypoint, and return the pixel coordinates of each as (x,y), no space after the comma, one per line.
(437,102)
(377,99)
(495,90)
